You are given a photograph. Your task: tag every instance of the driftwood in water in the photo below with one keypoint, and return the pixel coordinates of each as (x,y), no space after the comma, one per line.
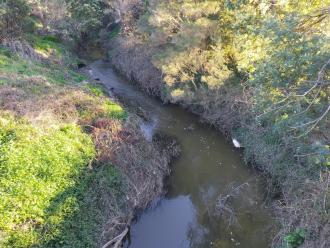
(117,240)
(223,207)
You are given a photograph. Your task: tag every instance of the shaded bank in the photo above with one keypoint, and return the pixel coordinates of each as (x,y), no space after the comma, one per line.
(213,198)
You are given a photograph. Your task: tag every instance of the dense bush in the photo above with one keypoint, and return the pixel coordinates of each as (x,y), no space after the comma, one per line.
(277,53)
(13,18)
(259,70)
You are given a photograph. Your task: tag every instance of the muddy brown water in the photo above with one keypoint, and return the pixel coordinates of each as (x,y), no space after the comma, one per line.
(209,167)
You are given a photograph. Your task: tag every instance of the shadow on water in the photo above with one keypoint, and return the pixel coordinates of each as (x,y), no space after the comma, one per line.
(209,167)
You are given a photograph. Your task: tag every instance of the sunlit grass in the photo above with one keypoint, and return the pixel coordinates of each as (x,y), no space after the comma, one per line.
(36,166)
(13,66)
(114,110)
(46,45)
(46,184)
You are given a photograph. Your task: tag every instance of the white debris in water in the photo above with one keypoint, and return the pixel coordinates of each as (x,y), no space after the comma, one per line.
(90,72)
(148,128)
(236,143)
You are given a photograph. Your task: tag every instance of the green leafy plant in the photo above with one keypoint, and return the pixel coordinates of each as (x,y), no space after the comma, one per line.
(295,239)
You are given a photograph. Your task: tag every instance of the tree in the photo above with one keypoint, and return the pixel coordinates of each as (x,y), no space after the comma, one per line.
(13,15)
(87,16)
(51,13)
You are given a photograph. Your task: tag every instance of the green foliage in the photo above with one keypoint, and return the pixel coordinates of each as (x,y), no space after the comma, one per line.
(295,239)
(13,17)
(97,90)
(114,110)
(280,81)
(87,16)
(273,52)
(258,69)
(13,67)
(37,166)
(46,44)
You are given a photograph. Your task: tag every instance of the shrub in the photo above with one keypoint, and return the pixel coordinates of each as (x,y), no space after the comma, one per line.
(13,17)
(295,239)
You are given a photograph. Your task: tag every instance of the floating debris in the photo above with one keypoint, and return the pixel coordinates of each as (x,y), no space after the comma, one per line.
(236,143)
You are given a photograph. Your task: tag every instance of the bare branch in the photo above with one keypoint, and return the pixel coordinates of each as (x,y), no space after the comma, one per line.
(223,207)
(314,122)
(118,239)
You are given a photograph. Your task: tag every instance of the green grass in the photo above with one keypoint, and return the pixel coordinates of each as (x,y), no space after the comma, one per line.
(46,44)
(295,239)
(114,110)
(36,166)
(86,209)
(110,109)
(97,90)
(49,196)
(104,108)
(5,56)
(107,108)
(13,66)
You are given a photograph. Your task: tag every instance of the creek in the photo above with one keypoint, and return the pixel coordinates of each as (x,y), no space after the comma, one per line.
(209,167)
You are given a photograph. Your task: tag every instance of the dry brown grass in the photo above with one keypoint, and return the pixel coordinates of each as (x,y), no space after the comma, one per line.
(134,61)
(306,206)
(22,48)
(143,164)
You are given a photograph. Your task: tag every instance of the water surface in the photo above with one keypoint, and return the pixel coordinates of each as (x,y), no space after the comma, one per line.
(208,167)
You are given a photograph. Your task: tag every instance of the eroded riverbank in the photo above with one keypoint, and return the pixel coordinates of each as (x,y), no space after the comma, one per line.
(192,214)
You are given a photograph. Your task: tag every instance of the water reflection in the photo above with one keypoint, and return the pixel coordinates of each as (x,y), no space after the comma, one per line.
(178,225)
(207,168)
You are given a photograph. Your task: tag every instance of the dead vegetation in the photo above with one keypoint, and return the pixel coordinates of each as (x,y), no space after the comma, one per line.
(223,207)
(306,206)
(143,166)
(22,48)
(120,142)
(134,62)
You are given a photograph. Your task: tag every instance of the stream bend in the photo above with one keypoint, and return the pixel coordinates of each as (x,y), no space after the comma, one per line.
(191,214)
